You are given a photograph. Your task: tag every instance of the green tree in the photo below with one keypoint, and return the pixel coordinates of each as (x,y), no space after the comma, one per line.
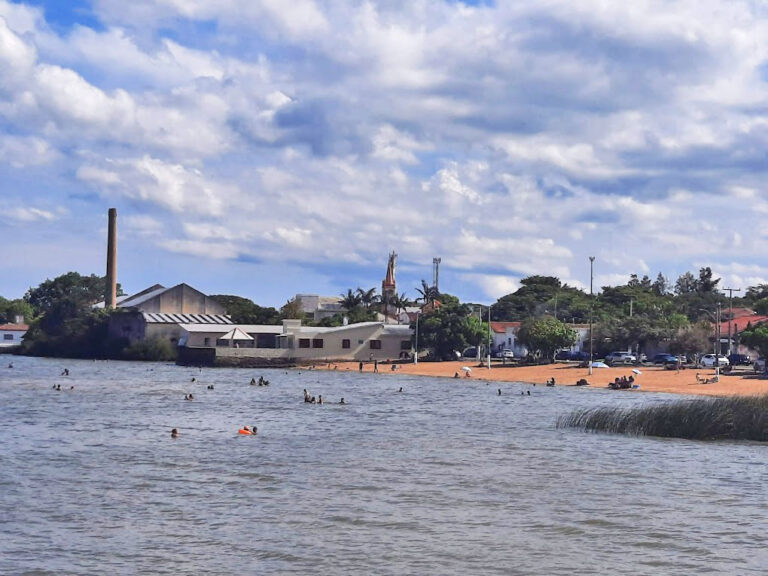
(368,297)
(10,309)
(244,311)
(350,300)
(79,291)
(449,329)
(427,293)
(546,335)
(685,284)
(292,309)
(756,337)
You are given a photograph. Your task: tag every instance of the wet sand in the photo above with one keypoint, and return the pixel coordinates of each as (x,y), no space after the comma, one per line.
(651,379)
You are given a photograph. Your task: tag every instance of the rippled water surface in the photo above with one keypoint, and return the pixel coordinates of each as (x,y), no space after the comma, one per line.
(445,477)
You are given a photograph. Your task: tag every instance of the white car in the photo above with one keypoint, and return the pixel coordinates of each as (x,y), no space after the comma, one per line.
(708,361)
(507,354)
(620,358)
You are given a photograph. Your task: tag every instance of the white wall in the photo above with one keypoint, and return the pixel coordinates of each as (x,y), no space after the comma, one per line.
(11,337)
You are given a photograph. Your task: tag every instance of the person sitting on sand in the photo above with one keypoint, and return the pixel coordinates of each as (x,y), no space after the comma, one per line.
(467,374)
(455,374)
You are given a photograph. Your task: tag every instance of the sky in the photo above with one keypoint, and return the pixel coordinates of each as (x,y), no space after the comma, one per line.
(262,151)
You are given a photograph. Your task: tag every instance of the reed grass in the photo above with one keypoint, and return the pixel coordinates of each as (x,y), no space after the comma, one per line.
(728,418)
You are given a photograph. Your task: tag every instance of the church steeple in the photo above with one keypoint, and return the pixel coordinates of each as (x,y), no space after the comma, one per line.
(388,285)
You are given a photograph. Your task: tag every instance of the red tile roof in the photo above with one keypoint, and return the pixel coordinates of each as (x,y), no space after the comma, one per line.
(739,324)
(14,327)
(501,327)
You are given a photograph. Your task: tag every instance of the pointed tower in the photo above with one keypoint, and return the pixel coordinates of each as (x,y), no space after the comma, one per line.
(388,285)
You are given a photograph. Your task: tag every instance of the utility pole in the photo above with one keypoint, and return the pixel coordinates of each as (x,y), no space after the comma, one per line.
(591,309)
(730,313)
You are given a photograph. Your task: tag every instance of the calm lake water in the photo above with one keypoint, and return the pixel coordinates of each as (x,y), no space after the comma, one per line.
(445,477)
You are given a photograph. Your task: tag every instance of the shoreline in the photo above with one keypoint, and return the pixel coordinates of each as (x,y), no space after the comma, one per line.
(651,378)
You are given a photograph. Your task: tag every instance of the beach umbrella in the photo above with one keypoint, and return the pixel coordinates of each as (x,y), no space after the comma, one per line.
(466,369)
(636,371)
(599,365)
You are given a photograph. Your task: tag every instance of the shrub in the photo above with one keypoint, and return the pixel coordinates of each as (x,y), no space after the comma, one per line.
(730,418)
(155,349)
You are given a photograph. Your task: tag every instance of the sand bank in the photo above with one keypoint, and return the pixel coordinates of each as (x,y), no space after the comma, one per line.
(651,379)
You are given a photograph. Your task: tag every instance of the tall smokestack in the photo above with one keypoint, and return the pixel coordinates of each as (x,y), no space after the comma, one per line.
(110,298)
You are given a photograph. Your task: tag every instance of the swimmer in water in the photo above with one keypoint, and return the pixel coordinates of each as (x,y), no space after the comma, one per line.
(319,399)
(253,382)
(401,389)
(174,433)
(194,379)
(499,391)
(342,401)
(529,392)
(10,365)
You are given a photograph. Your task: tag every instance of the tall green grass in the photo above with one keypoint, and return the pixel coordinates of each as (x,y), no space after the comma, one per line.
(729,418)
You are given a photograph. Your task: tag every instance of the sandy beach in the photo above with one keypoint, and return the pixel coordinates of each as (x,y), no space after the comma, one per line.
(651,378)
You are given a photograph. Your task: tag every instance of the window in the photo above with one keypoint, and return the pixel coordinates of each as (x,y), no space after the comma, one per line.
(375,344)
(317,343)
(7,336)
(509,341)
(405,344)
(303,342)
(206,341)
(346,343)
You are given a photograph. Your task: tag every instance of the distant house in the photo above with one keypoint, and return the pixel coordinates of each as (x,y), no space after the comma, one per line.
(505,337)
(292,341)
(11,334)
(317,307)
(158,312)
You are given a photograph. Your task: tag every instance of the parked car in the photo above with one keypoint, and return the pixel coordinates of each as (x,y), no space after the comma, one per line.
(507,354)
(577,355)
(759,365)
(620,358)
(470,352)
(664,358)
(709,360)
(739,360)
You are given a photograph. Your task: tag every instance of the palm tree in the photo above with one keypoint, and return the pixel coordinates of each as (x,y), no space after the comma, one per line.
(368,297)
(428,293)
(400,301)
(350,300)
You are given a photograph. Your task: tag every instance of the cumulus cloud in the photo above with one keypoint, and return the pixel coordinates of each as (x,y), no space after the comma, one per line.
(509,139)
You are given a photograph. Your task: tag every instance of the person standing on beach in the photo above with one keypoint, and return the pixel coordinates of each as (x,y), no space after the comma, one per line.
(360,366)
(376,366)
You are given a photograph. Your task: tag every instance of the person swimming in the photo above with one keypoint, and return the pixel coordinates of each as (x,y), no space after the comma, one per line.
(312,400)
(499,391)
(193,379)
(319,399)
(401,389)
(65,372)
(342,401)
(253,382)
(306,396)
(529,392)
(174,433)
(210,386)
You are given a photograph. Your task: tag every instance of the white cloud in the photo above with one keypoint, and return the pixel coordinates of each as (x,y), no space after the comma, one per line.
(510,139)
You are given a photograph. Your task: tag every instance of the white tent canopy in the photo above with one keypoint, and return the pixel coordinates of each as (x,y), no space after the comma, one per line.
(236,334)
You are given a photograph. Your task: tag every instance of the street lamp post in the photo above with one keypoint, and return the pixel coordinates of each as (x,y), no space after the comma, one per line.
(715,347)
(416,354)
(591,307)
(489,337)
